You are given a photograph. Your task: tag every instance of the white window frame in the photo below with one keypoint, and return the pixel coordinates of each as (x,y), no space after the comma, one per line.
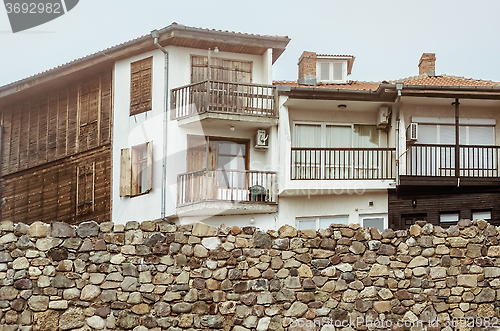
(331,75)
(449,214)
(362,217)
(475,212)
(317,219)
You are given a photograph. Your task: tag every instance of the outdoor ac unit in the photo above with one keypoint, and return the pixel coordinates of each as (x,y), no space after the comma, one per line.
(261,139)
(383,116)
(412,133)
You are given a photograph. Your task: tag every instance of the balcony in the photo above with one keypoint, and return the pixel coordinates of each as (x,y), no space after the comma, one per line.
(219,191)
(343,164)
(438,165)
(217,100)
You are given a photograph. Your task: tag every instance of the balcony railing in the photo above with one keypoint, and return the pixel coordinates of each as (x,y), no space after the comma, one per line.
(226,185)
(224,97)
(343,163)
(439,161)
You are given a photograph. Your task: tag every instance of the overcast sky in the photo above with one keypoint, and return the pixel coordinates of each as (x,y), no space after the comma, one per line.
(386,37)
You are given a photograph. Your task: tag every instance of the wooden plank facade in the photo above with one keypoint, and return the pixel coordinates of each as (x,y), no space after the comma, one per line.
(56,153)
(428,203)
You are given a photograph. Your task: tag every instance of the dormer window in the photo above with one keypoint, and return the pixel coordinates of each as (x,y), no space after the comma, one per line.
(331,71)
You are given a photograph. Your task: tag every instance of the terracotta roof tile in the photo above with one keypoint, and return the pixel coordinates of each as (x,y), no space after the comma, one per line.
(351,85)
(445,80)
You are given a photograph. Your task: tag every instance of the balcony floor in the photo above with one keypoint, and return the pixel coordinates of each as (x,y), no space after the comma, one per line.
(216,120)
(207,208)
(405,180)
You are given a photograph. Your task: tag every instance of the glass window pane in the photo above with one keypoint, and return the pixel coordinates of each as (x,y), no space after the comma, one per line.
(452,217)
(307,135)
(324,222)
(337,70)
(481,215)
(375,222)
(338,136)
(306,223)
(365,136)
(324,71)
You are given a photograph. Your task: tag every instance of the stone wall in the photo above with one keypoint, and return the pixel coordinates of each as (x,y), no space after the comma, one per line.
(158,276)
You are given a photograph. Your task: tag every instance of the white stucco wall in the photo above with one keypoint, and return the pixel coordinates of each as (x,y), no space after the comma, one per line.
(354,205)
(129,131)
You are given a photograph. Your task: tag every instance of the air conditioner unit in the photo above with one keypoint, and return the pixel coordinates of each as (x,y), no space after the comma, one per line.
(383,116)
(261,139)
(412,133)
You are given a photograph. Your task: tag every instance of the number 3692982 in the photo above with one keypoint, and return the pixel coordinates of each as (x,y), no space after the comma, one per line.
(33,8)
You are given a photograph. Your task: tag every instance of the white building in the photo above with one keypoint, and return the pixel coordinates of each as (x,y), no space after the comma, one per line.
(184,143)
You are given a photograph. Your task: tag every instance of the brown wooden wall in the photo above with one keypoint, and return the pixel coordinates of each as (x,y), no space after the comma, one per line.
(432,201)
(56,153)
(57,123)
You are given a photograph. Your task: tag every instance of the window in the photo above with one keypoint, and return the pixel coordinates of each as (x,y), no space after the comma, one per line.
(221,69)
(85,188)
(481,215)
(322,222)
(136,172)
(141,82)
(409,219)
(332,71)
(447,219)
(374,222)
(336,135)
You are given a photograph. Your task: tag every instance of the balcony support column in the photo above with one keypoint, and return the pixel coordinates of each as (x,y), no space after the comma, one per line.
(457,140)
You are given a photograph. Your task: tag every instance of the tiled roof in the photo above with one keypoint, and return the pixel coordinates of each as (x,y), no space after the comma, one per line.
(422,80)
(351,85)
(445,80)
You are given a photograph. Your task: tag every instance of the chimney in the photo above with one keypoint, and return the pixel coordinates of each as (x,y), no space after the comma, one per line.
(307,68)
(427,64)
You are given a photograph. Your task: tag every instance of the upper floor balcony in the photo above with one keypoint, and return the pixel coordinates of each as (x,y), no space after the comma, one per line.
(438,164)
(245,104)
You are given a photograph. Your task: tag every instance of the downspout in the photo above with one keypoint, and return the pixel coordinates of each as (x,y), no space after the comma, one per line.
(399,87)
(156,35)
(457,141)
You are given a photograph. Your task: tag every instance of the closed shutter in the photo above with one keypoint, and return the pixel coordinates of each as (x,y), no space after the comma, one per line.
(85,188)
(125,173)
(141,80)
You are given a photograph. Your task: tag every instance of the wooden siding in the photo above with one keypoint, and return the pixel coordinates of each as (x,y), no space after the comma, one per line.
(64,121)
(56,153)
(441,200)
(48,192)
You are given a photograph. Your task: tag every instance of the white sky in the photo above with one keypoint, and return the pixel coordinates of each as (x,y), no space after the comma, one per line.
(387,37)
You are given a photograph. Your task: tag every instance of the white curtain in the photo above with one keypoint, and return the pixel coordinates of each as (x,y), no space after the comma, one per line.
(338,136)
(308,135)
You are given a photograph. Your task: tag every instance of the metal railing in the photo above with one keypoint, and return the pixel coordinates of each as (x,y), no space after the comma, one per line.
(226,185)
(342,163)
(440,161)
(224,97)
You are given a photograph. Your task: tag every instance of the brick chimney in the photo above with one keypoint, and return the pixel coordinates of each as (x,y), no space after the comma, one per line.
(307,68)
(427,64)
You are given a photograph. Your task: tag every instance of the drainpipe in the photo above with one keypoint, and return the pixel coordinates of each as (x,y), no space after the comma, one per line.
(156,35)
(399,87)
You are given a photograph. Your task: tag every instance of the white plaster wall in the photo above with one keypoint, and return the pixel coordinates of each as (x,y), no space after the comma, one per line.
(129,131)
(353,205)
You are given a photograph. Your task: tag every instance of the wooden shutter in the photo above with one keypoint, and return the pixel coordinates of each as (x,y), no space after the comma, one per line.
(150,165)
(125,173)
(85,188)
(141,81)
